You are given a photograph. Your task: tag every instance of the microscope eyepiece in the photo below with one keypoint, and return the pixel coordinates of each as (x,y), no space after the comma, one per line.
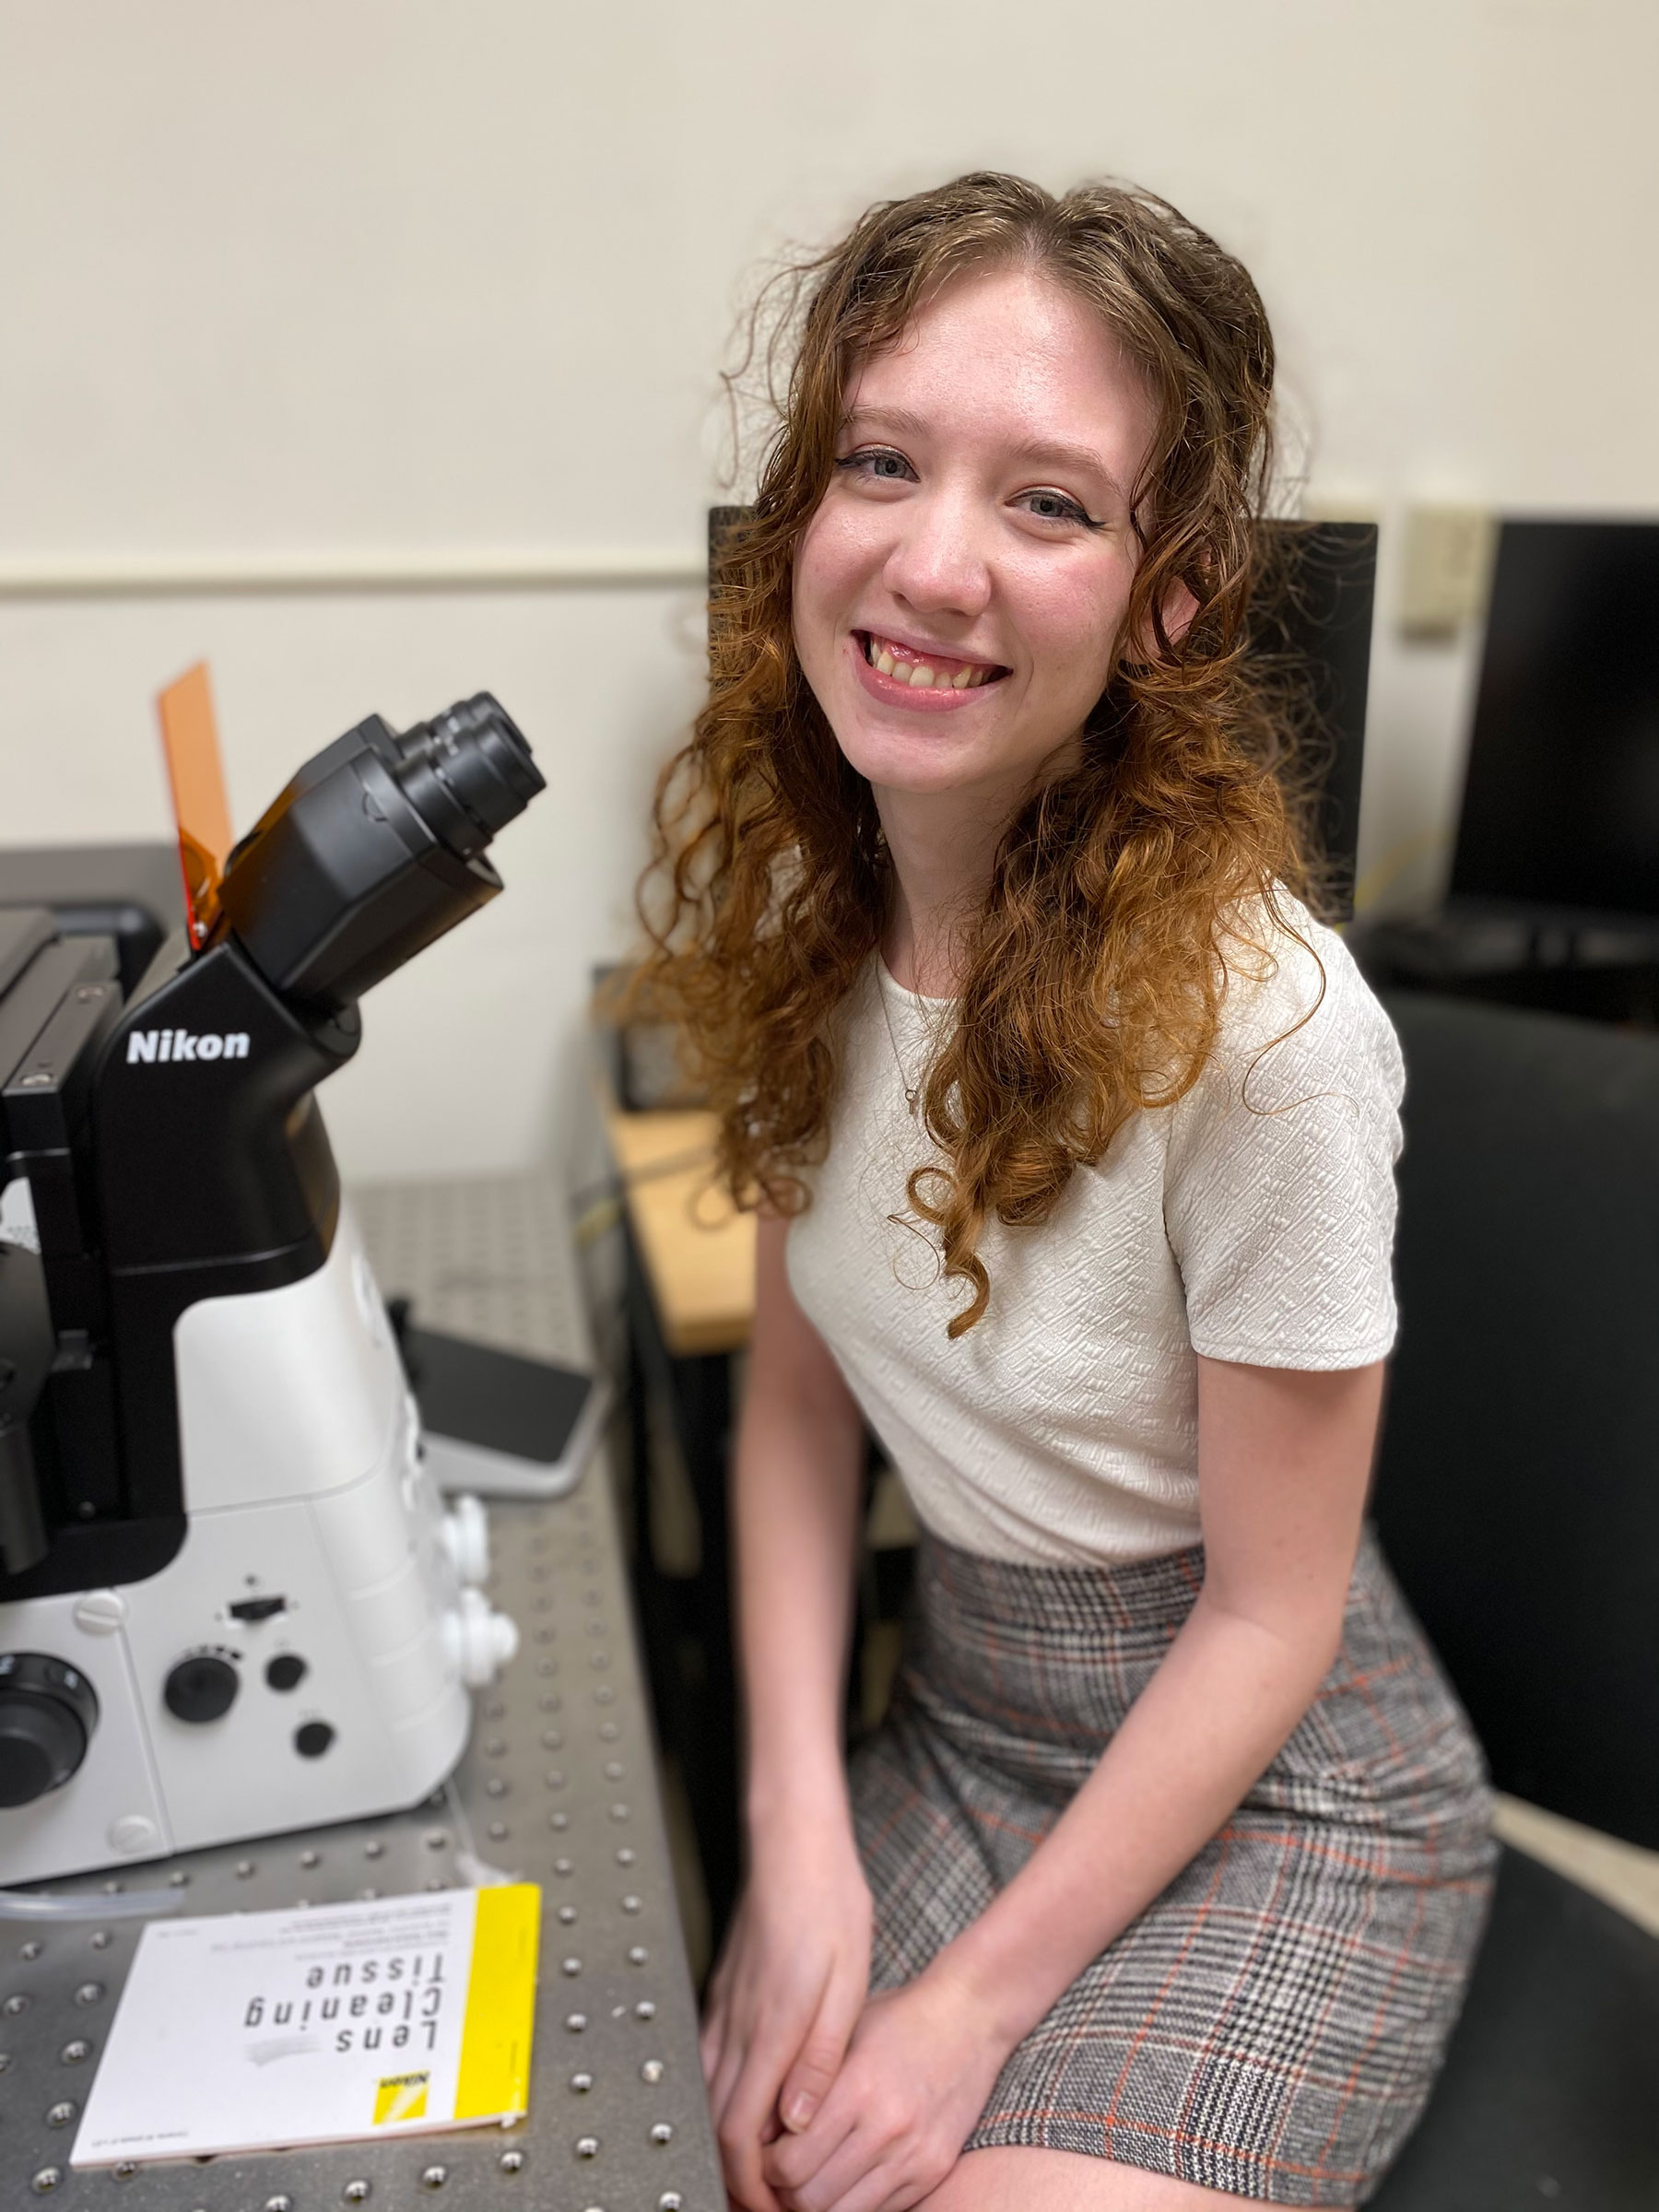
(468,773)
(374,849)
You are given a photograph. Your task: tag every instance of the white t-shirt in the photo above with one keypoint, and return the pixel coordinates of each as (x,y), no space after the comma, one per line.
(1249,1222)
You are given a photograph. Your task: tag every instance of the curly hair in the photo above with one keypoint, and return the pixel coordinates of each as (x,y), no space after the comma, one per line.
(1092,977)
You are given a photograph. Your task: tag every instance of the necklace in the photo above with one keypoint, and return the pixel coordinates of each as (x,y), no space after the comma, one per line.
(913,1091)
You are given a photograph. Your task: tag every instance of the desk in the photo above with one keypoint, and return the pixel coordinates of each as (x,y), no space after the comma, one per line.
(558,1784)
(697,1250)
(690,1297)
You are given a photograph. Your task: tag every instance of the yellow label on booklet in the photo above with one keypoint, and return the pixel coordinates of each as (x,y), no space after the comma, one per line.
(400,2096)
(500,2003)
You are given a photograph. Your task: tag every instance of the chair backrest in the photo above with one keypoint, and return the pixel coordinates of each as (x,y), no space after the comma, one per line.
(1518,1480)
(1318,617)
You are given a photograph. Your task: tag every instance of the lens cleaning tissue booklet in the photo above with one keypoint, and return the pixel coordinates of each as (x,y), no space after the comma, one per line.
(332,2023)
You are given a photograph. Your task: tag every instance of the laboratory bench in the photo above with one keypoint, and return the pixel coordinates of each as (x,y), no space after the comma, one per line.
(557,1786)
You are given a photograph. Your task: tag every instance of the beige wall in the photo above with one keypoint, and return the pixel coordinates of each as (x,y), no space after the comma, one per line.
(349,279)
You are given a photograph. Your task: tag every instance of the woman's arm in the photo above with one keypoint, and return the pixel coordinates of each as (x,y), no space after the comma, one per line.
(796,1489)
(1284,1458)
(795,1971)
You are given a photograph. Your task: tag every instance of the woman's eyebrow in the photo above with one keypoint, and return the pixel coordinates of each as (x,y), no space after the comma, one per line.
(1044,454)
(886,419)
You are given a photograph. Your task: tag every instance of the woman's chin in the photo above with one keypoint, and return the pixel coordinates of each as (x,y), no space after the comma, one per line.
(919,770)
(932,757)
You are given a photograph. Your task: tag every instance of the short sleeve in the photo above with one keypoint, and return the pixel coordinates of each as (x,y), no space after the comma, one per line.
(1278,1188)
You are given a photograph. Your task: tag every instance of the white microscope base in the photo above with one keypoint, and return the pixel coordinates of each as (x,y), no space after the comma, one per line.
(558,1786)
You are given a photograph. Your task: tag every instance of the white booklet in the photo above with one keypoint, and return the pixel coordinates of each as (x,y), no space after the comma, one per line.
(267,2030)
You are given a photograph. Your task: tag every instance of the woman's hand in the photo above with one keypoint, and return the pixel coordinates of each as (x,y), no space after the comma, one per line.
(792,1978)
(923,2062)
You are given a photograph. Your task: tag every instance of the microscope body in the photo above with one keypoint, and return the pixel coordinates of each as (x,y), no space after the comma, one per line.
(231,1600)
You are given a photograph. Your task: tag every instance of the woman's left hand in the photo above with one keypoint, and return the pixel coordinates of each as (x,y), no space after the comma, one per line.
(921,2063)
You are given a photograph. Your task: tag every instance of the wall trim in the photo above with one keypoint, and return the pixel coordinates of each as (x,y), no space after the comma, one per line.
(256,575)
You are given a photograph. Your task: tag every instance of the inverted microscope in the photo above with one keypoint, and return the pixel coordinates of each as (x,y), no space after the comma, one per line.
(232,1601)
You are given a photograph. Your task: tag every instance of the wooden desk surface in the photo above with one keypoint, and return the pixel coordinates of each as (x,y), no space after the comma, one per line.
(698,1251)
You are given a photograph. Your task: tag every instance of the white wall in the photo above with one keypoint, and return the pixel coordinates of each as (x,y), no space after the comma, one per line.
(351,277)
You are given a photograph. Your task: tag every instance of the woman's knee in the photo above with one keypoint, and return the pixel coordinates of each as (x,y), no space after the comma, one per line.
(1021,2180)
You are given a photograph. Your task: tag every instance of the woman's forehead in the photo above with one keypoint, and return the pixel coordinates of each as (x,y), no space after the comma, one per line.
(1008,358)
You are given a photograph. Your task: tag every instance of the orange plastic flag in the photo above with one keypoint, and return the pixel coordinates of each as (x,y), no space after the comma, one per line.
(190,739)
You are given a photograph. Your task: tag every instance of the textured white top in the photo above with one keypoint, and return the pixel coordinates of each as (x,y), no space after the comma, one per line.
(1252,1224)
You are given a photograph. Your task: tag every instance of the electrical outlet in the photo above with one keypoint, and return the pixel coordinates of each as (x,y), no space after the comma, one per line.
(1447,569)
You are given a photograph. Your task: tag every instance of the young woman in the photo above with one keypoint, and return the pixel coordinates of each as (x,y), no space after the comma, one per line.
(1072,1134)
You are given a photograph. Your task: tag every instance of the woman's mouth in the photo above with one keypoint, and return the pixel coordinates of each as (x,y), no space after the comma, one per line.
(897,668)
(924,672)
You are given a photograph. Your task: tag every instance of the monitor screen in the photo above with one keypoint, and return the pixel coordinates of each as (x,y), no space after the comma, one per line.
(1561,798)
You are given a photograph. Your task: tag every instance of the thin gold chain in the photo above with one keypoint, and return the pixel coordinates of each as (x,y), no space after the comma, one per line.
(913,1091)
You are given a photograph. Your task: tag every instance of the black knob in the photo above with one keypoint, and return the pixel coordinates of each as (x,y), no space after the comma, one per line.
(312,1739)
(48,1712)
(201,1687)
(287,1671)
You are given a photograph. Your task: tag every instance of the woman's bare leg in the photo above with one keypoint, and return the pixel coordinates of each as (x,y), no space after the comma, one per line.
(1019,2180)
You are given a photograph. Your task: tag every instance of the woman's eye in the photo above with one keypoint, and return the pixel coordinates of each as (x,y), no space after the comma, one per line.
(1056,507)
(880,463)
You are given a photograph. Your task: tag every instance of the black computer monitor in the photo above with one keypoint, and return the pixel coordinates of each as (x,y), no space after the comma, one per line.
(1560,809)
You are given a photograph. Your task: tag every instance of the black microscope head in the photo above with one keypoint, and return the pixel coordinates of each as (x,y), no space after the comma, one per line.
(374,849)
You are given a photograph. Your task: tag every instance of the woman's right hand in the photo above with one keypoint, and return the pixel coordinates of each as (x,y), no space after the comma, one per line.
(791,1979)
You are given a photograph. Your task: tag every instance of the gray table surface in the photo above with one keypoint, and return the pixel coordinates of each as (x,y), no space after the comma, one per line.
(557,1786)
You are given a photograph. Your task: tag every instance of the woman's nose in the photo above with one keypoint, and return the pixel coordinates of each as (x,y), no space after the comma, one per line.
(939,563)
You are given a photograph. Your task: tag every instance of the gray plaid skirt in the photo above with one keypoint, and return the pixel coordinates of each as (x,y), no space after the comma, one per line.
(1270,2026)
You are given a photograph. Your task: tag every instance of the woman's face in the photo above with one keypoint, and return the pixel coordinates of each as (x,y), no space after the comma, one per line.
(961,589)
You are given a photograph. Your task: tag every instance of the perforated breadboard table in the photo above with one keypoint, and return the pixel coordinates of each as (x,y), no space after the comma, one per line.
(557,1786)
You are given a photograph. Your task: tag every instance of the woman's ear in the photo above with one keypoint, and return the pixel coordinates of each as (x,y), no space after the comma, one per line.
(1179,607)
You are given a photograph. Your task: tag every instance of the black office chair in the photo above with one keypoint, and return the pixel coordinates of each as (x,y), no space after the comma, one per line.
(1518,1502)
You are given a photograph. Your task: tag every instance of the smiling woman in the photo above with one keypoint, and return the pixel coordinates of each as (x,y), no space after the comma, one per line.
(1072,1132)
(1057,416)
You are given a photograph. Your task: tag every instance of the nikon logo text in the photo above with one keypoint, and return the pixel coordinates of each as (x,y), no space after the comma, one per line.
(185,1044)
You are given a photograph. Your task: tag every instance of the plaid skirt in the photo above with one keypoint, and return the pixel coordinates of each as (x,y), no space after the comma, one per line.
(1270,2026)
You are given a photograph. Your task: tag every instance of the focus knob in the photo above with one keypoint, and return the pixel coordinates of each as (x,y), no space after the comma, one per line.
(201,1687)
(48,1712)
(466,1532)
(480,1640)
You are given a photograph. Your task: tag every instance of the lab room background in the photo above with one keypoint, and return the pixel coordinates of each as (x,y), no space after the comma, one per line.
(370,350)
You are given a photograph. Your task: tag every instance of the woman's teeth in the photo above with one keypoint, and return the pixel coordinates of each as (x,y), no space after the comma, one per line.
(922,676)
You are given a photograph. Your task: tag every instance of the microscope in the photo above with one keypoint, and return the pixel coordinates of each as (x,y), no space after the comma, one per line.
(231,1599)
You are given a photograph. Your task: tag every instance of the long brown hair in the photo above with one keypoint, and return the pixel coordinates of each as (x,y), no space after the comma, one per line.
(1093,976)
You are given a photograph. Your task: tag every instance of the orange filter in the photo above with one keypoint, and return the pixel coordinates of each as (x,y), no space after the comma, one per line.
(190,739)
